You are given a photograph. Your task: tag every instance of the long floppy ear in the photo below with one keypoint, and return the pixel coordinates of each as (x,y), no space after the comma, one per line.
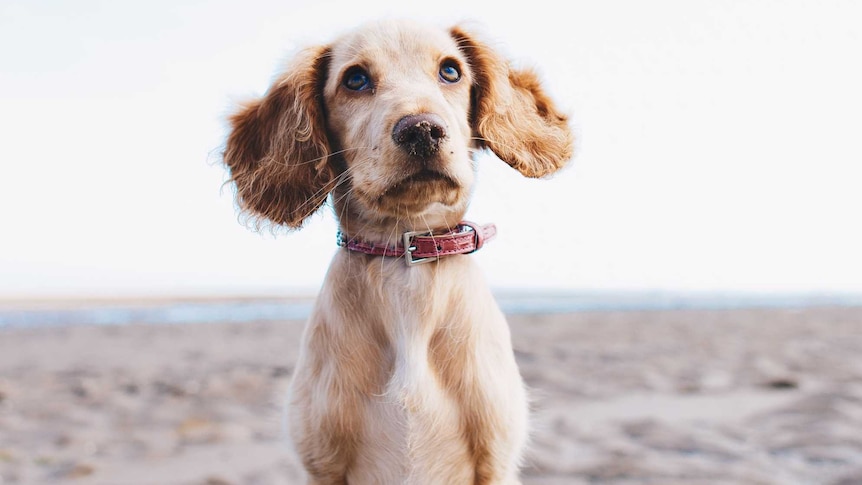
(512,115)
(278,149)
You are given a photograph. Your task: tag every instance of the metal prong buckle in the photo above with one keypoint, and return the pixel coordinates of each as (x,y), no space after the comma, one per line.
(407,240)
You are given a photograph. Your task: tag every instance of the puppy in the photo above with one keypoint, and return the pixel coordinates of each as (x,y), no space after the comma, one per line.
(406,373)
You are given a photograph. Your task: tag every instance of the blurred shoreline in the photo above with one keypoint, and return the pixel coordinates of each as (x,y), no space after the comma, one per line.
(42,312)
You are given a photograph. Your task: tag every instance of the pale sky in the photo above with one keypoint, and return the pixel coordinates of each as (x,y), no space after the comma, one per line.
(720,145)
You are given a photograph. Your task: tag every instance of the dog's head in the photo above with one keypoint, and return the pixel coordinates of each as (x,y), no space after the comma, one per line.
(385,118)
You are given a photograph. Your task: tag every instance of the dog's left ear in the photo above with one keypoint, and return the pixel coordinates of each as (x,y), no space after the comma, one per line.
(512,115)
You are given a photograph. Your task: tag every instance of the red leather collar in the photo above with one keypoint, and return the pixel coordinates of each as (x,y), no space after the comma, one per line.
(423,247)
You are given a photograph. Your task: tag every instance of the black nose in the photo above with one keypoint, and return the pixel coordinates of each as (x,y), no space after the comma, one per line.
(420,135)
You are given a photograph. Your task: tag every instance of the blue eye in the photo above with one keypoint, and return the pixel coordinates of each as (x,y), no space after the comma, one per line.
(449,72)
(356,79)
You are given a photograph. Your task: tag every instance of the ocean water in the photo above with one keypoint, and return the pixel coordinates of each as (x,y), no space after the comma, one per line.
(512,303)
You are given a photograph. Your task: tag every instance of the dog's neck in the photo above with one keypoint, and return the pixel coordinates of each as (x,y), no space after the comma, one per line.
(387,230)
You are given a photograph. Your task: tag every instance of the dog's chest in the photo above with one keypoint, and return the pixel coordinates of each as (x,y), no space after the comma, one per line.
(416,421)
(412,367)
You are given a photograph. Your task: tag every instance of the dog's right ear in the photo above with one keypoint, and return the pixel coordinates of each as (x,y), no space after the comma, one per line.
(278,149)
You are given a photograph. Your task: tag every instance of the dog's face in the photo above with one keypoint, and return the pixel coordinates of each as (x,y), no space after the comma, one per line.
(384,118)
(397,98)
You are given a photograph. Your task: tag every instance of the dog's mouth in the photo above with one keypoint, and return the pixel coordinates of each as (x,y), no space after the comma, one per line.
(425,181)
(428,176)
(416,191)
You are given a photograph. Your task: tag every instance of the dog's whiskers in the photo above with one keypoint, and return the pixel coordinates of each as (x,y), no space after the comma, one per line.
(337,182)
(338,152)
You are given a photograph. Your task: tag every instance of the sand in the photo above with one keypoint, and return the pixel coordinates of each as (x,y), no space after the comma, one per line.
(662,397)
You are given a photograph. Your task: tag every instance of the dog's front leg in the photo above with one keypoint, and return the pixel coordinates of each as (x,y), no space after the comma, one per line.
(323,435)
(495,416)
(494,404)
(324,409)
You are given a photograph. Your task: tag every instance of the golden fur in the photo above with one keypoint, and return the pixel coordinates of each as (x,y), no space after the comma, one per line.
(406,374)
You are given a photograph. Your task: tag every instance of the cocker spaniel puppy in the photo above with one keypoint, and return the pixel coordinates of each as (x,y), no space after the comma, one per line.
(406,373)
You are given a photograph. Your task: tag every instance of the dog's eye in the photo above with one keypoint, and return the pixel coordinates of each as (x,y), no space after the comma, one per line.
(449,72)
(356,79)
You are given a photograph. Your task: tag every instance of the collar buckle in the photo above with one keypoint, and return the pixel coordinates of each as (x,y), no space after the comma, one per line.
(409,248)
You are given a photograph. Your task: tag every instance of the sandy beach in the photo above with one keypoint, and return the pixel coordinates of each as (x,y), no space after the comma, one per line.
(658,397)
